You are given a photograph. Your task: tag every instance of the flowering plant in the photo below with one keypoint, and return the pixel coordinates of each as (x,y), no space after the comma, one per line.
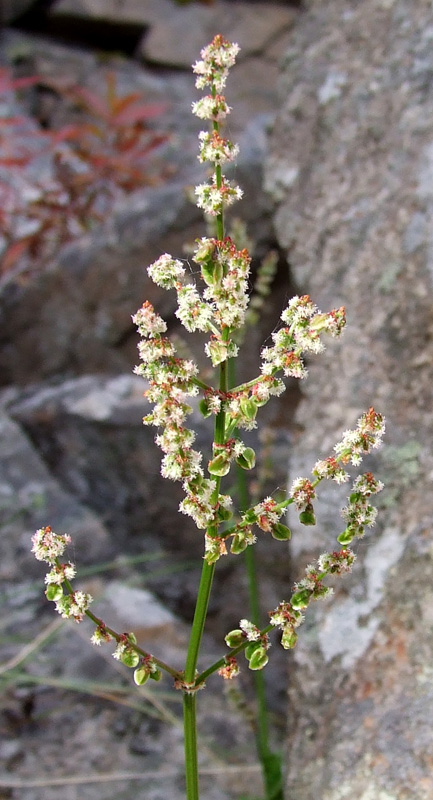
(218,309)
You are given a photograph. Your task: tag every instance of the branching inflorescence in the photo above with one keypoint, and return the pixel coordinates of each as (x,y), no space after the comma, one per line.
(216,305)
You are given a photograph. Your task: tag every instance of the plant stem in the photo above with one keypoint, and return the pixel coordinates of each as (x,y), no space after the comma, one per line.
(190,737)
(207,573)
(198,621)
(270,762)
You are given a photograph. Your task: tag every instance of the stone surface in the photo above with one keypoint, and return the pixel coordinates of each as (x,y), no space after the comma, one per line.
(11,9)
(353,203)
(175,32)
(29,497)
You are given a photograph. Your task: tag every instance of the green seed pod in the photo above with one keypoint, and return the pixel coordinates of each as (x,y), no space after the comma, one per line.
(218,351)
(248,407)
(247,459)
(308,517)
(259,659)
(212,273)
(130,658)
(220,465)
(204,408)
(141,675)
(281,532)
(346,537)
(250,516)
(132,637)
(224,514)
(238,544)
(156,675)
(300,599)
(234,638)
(289,638)
(54,591)
(251,649)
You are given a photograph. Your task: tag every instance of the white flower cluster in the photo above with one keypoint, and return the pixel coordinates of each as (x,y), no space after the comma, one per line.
(49,546)
(359,513)
(215,149)
(267,513)
(250,631)
(213,197)
(359,442)
(302,492)
(171,382)
(73,606)
(225,270)
(330,468)
(304,326)
(211,107)
(166,271)
(216,60)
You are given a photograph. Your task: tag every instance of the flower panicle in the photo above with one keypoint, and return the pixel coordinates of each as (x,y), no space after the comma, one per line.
(289,615)
(354,445)
(302,334)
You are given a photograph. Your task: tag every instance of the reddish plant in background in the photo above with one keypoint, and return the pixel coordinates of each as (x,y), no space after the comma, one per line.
(55,185)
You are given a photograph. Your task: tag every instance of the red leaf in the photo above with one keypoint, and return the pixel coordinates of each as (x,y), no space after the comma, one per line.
(9,83)
(91,101)
(13,253)
(139,113)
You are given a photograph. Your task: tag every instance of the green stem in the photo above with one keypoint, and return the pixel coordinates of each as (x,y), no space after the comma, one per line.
(270,762)
(198,623)
(190,738)
(200,613)
(207,573)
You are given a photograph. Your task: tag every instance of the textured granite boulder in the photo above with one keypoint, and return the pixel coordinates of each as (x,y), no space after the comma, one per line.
(351,174)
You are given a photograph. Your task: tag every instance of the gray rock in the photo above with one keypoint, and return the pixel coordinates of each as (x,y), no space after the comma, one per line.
(353,203)
(175,34)
(12,9)
(31,498)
